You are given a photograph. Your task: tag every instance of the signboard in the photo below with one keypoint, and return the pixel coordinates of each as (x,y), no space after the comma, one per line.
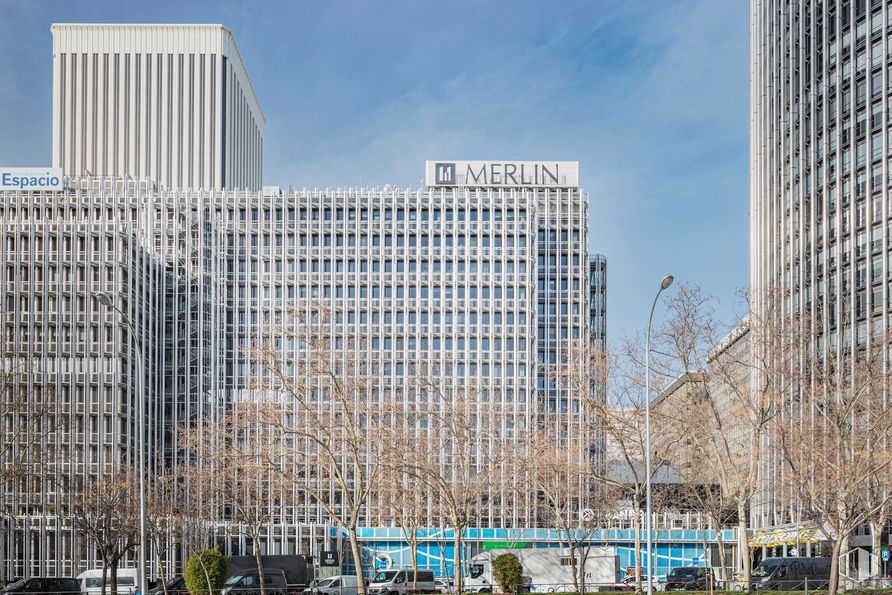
(328,558)
(885,554)
(383,562)
(31,178)
(506,174)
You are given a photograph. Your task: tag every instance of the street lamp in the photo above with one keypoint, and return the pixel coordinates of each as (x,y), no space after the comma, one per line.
(664,284)
(108,301)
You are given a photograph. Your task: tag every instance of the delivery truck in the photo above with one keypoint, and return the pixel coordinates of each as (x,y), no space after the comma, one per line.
(546,570)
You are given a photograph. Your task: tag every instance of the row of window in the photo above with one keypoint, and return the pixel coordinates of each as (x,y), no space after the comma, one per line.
(461,369)
(387,240)
(414,317)
(377,292)
(386,214)
(377,266)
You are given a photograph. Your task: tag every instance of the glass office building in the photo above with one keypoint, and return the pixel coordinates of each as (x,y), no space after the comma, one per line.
(820,159)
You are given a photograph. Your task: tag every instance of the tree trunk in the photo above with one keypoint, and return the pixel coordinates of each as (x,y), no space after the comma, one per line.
(413,547)
(574,568)
(876,542)
(114,578)
(743,547)
(161,574)
(456,544)
(721,545)
(259,565)
(357,560)
(104,575)
(207,575)
(835,569)
(638,545)
(583,558)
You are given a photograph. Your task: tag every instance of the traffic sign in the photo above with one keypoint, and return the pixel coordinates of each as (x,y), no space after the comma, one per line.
(885,554)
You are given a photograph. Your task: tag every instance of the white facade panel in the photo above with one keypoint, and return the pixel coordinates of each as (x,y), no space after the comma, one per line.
(147,101)
(495,279)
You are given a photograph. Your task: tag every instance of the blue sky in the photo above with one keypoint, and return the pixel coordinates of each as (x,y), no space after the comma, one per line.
(650,97)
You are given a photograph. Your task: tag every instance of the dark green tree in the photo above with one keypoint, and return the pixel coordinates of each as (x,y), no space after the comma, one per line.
(508,572)
(205,572)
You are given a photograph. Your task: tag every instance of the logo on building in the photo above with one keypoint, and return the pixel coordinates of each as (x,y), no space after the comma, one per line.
(383,562)
(512,174)
(329,558)
(445,174)
(31,178)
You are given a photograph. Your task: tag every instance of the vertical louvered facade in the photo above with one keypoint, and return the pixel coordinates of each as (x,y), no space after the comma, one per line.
(169,103)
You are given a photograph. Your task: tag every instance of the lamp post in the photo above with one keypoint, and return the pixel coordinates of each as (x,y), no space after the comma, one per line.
(108,301)
(664,284)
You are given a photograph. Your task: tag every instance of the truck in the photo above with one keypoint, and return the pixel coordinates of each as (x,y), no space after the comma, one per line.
(91,581)
(546,570)
(298,570)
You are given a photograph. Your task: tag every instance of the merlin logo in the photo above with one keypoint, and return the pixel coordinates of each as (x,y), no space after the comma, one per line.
(445,174)
(516,174)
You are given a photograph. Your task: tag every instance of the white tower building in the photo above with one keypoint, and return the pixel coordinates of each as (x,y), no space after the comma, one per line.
(169,103)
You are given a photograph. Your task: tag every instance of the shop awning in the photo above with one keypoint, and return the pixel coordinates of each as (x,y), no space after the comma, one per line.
(787,535)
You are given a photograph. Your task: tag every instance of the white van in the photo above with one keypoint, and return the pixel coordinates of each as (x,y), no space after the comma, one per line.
(399,582)
(91,581)
(335,585)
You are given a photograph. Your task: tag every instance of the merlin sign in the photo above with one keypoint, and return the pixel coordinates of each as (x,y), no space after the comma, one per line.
(533,174)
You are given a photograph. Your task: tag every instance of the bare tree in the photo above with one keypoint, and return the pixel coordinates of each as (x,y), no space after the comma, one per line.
(878,493)
(561,476)
(614,405)
(837,451)
(463,455)
(325,402)
(719,419)
(105,509)
(235,458)
(29,416)
(399,500)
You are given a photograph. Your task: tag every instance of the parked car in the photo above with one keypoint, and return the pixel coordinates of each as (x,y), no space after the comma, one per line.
(400,582)
(792,573)
(335,585)
(444,585)
(175,586)
(62,586)
(690,578)
(247,582)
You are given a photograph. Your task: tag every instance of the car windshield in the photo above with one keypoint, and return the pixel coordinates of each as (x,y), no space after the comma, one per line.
(16,585)
(764,570)
(233,579)
(325,582)
(385,576)
(683,572)
(476,570)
